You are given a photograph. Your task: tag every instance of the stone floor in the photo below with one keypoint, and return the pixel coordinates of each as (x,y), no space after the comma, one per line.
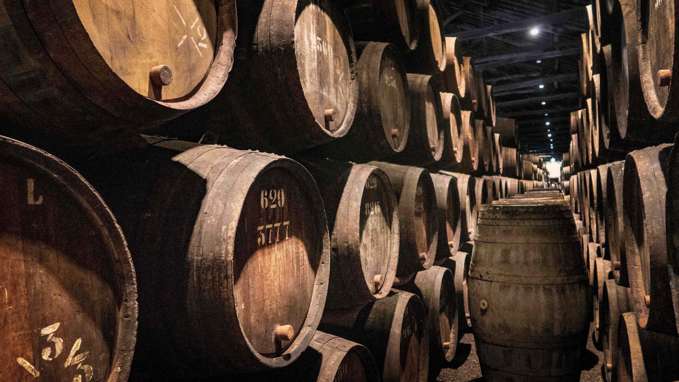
(470,370)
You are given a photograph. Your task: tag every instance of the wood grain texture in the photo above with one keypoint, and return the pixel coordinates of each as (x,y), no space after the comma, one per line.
(450,215)
(68,294)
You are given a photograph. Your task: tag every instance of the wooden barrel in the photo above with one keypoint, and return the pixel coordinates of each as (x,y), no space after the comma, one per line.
(657,45)
(365,258)
(449,214)
(466,186)
(593,252)
(469,140)
(454,155)
(600,202)
(527,170)
(205,265)
(492,188)
(430,55)
(393,329)
(614,221)
(67,285)
(491,112)
(418,218)
(80,72)
(673,207)
(453,75)
(480,198)
(602,270)
(301,55)
(382,122)
(613,304)
(483,142)
(644,355)
(644,198)
(471,100)
(592,199)
(426,137)
(399,21)
(514,244)
(437,289)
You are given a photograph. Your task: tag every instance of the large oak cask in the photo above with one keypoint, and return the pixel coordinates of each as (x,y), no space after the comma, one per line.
(295,84)
(517,241)
(364,229)
(398,22)
(453,75)
(430,55)
(232,255)
(78,71)
(454,154)
(382,122)
(68,294)
(613,305)
(449,213)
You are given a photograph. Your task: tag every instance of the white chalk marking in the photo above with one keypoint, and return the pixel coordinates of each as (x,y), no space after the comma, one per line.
(28,367)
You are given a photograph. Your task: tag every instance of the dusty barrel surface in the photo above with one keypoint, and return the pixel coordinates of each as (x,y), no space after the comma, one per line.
(613,304)
(68,296)
(382,121)
(526,260)
(614,220)
(399,21)
(418,218)
(426,136)
(646,251)
(363,222)
(454,155)
(393,329)
(453,75)
(450,215)
(76,72)
(215,232)
(300,54)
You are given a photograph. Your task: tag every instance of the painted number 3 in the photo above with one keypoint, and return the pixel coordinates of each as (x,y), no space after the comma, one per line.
(54,349)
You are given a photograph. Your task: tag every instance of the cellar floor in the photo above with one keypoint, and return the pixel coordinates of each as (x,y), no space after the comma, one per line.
(471,371)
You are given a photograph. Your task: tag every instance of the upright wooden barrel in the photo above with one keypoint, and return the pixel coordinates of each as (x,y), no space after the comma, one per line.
(300,56)
(526,261)
(80,71)
(449,213)
(453,75)
(364,229)
(454,155)
(215,232)
(437,290)
(613,305)
(68,294)
(430,55)
(426,136)
(393,329)
(418,218)
(644,208)
(398,21)
(382,122)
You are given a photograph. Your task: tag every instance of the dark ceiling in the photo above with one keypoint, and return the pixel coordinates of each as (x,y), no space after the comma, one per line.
(497,34)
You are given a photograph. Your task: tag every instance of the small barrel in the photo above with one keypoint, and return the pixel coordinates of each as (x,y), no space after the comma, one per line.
(644,355)
(453,153)
(300,55)
(613,304)
(426,136)
(453,76)
(449,213)
(646,252)
(382,121)
(364,262)
(418,218)
(614,221)
(430,55)
(525,261)
(399,21)
(465,190)
(214,232)
(437,289)
(78,72)
(394,329)
(67,284)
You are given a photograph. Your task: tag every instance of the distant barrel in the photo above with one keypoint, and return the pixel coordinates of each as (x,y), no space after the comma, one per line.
(450,215)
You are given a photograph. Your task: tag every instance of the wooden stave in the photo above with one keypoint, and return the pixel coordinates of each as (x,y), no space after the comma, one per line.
(454,155)
(613,304)
(453,75)
(450,215)
(430,55)
(614,221)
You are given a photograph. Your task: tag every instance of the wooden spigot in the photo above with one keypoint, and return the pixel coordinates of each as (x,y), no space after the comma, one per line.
(284,333)
(161,75)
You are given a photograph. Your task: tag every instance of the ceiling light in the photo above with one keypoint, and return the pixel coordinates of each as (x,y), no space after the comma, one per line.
(541,86)
(538,61)
(552,160)
(534,31)
(549,135)
(547,123)
(543,103)
(546,114)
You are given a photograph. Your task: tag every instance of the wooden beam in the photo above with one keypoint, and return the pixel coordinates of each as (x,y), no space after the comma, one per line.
(538,100)
(533,112)
(512,77)
(515,58)
(535,83)
(577,13)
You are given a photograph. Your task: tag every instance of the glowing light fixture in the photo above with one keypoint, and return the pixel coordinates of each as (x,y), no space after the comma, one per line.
(534,31)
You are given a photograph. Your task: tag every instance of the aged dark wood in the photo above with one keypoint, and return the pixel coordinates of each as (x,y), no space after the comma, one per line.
(483,142)
(231,250)
(426,137)
(363,221)
(300,56)
(382,122)
(465,191)
(614,221)
(68,294)
(602,272)
(449,214)
(613,304)
(78,72)
(646,252)
(398,21)
(453,75)
(509,281)
(418,218)
(471,147)
(454,154)
(430,55)
(394,329)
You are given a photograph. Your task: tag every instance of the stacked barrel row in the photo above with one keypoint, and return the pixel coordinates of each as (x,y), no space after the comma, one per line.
(190,259)
(621,174)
